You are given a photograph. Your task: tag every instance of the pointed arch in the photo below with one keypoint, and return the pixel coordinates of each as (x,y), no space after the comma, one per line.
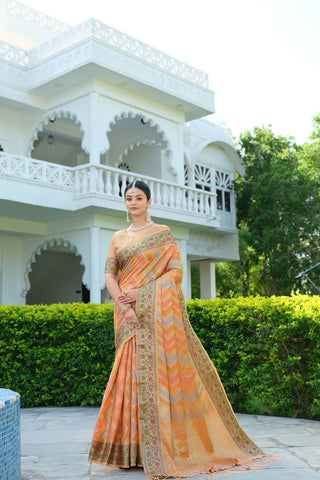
(43,247)
(162,140)
(51,117)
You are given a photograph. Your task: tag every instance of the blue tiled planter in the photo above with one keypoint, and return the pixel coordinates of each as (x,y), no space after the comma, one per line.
(10,447)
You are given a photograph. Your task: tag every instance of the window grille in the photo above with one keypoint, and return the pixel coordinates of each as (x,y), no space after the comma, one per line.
(186,174)
(223,190)
(202,177)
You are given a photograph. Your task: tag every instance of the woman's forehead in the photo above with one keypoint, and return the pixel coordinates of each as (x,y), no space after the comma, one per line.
(134,192)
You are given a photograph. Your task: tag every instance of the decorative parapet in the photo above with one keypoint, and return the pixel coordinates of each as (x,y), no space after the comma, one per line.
(13,54)
(34,17)
(93,29)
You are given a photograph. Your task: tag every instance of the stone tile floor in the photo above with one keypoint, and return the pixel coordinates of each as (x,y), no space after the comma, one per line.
(55,443)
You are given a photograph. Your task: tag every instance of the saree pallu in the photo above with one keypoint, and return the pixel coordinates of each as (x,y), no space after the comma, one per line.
(165,407)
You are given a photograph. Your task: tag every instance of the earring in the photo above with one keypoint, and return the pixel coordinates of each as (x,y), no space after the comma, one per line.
(148,215)
(128,219)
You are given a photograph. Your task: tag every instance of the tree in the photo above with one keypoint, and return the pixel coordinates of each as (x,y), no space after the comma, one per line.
(240,278)
(278,205)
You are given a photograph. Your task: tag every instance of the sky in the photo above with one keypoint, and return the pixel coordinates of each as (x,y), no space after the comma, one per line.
(262,56)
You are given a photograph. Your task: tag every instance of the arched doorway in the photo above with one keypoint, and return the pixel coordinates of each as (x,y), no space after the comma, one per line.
(58,140)
(55,276)
(138,145)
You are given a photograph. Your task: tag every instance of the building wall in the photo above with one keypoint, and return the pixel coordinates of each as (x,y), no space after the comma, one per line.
(11,270)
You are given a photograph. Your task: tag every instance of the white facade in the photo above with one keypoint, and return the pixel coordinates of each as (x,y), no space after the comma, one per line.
(83,110)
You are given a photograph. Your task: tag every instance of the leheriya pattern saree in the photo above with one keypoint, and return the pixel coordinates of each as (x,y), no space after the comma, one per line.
(164,407)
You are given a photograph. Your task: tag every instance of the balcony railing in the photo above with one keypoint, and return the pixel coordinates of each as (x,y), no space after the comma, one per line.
(105,182)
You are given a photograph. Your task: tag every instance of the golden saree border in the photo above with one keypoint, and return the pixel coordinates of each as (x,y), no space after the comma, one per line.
(153,241)
(147,386)
(117,455)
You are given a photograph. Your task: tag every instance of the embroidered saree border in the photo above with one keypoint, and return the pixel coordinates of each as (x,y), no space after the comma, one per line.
(111,266)
(153,241)
(124,333)
(147,385)
(116,455)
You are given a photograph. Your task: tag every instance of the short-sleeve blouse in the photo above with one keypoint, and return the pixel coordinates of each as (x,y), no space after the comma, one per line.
(112,265)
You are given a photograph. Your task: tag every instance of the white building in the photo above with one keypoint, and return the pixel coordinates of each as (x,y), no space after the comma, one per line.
(83,110)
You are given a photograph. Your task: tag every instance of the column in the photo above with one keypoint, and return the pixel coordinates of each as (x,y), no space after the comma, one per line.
(182,245)
(207,280)
(94,152)
(188,292)
(95,281)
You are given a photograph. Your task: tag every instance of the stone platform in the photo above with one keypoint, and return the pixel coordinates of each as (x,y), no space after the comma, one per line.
(55,444)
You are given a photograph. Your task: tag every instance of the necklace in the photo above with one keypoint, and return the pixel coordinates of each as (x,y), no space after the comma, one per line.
(136,229)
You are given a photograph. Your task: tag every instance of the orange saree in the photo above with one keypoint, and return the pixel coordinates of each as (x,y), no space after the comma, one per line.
(164,407)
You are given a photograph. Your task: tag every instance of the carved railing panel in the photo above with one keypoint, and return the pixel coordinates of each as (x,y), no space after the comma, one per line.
(38,171)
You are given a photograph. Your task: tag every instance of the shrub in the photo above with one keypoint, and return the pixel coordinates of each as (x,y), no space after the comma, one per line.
(266,351)
(58,354)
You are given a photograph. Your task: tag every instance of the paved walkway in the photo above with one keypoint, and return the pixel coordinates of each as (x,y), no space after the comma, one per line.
(55,443)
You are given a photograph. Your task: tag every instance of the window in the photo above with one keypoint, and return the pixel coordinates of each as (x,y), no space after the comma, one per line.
(202,177)
(223,190)
(221,185)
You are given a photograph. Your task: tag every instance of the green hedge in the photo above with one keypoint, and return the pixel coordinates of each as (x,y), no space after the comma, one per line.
(266,350)
(58,354)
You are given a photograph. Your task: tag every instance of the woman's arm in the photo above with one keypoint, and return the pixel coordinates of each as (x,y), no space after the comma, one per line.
(112,285)
(126,309)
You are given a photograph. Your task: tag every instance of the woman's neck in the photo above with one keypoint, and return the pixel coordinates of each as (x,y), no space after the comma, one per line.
(139,221)
(137,226)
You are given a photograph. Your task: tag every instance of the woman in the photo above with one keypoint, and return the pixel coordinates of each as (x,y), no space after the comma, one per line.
(164,407)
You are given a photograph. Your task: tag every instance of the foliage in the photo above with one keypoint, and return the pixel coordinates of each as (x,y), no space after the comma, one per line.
(58,354)
(240,278)
(266,350)
(278,208)
(195,281)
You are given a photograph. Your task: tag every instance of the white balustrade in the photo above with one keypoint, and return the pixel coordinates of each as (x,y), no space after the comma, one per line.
(30,15)
(36,170)
(13,54)
(107,181)
(112,182)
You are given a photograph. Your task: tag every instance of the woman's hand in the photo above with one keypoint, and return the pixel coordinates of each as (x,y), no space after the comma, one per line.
(131,317)
(128,297)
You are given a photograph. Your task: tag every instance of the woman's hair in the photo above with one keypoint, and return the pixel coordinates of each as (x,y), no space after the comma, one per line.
(141,185)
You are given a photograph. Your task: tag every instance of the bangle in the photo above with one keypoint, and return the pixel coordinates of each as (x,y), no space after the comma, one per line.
(125,308)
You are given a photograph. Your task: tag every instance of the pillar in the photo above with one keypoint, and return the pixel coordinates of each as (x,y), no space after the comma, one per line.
(94,151)
(95,280)
(182,245)
(207,280)
(188,292)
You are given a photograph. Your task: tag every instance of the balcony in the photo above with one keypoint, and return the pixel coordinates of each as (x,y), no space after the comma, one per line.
(102,187)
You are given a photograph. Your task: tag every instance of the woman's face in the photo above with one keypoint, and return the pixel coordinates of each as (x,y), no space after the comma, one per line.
(136,202)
